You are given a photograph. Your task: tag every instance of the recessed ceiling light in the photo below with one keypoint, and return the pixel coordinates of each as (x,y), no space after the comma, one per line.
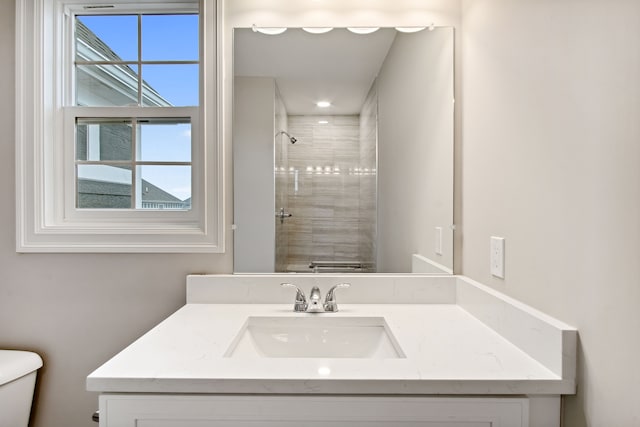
(323,122)
(324,371)
(323,104)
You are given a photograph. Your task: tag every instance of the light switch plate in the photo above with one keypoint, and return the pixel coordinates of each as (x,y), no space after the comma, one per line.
(497,256)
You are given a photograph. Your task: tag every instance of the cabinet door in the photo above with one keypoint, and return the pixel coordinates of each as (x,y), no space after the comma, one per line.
(133,410)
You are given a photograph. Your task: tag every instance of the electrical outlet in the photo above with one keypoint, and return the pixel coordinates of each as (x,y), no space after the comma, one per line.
(497,256)
(438,240)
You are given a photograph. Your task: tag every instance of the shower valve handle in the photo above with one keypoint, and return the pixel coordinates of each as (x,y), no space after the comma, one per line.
(282,215)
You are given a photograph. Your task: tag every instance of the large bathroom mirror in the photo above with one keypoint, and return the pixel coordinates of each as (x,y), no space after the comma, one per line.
(343,150)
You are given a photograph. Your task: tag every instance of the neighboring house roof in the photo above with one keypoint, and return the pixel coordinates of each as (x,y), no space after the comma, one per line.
(112,191)
(103,188)
(102,51)
(156,194)
(118,81)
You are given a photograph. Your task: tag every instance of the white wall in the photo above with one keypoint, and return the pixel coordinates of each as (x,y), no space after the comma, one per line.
(551,154)
(415,146)
(253,179)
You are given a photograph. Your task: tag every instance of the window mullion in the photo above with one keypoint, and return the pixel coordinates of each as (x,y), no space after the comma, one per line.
(153,62)
(140,60)
(136,194)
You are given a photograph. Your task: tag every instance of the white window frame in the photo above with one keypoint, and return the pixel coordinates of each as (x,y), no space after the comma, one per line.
(46,217)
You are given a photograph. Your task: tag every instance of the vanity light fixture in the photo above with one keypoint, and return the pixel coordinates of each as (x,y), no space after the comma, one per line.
(410,29)
(271,31)
(317,30)
(323,104)
(363,30)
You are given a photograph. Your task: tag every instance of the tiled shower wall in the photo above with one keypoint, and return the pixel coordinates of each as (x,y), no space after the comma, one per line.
(324,192)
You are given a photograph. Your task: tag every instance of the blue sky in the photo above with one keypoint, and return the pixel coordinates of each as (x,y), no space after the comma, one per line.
(167,143)
(164,38)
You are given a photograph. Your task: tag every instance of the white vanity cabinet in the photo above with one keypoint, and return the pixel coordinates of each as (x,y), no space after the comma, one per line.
(132,410)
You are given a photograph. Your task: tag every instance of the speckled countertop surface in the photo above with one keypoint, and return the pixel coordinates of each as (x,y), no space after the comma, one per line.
(448,351)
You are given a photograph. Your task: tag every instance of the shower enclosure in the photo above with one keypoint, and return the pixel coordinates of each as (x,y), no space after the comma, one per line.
(325,190)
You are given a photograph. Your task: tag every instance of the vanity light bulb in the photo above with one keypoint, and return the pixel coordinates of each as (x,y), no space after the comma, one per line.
(271,31)
(363,30)
(317,30)
(410,29)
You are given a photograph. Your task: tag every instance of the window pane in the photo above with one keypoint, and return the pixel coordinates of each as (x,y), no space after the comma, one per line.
(164,140)
(103,140)
(107,38)
(170,85)
(104,187)
(165,187)
(106,85)
(170,38)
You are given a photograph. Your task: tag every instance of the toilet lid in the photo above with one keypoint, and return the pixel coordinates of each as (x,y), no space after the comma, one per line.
(15,364)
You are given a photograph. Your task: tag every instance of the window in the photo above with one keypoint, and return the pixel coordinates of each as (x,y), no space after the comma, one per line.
(140,163)
(114,152)
(131,60)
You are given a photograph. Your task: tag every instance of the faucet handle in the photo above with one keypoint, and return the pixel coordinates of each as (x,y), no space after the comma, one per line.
(300,303)
(330,303)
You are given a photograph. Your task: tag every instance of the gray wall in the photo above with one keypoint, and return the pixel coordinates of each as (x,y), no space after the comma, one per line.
(551,156)
(253,151)
(415,162)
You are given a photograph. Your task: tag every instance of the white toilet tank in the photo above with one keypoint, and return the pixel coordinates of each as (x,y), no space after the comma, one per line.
(17,381)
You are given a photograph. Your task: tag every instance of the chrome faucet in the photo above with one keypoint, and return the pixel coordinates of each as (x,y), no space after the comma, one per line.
(300,304)
(330,303)
(313,304)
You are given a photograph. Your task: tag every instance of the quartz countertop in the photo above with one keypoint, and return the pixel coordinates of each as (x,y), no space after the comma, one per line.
(448,351)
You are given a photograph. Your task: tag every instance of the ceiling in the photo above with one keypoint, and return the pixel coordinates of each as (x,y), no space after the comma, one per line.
(338,66)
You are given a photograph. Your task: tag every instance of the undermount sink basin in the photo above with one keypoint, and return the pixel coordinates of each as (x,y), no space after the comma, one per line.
(315,337)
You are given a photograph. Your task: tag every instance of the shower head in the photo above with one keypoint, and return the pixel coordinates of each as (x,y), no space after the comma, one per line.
(292,139)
